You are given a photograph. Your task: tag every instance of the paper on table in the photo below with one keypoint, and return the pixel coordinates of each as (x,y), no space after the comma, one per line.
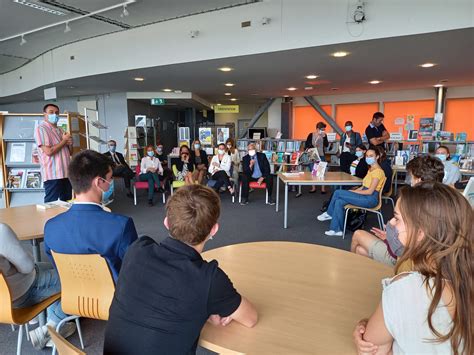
(293,174)
(18,153)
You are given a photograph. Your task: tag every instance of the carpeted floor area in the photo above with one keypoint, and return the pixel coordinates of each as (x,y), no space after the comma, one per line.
(238,224)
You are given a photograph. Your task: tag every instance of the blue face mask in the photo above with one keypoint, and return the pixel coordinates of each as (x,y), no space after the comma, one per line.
(106,195)
(159,150)
(150,153)
(53,118)
(112,148)
(359,153)
(441,157)
(197,146)
(393,241)
(348,128)
(370,160)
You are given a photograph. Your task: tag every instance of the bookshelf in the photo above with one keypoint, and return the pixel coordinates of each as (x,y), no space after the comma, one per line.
(131,147)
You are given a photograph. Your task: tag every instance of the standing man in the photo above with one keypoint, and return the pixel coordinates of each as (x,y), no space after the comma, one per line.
(120,166)
(255,167)
(55,149)
(376,132)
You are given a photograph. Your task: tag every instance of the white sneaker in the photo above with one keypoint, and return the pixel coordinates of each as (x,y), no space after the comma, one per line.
(65,331)
(332,233)
(324,217)
(39,337)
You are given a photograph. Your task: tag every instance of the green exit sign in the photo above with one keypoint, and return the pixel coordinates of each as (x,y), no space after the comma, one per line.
(157,101)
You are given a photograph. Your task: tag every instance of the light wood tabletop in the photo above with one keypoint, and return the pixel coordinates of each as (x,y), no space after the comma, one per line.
(27,221)
(331,177)
(309,298)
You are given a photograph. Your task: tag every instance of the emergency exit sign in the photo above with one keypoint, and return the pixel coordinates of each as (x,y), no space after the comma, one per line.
(157,102)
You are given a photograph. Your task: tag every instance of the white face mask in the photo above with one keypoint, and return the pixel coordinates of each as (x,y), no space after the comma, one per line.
(229,146)
(252,152)
(221,151)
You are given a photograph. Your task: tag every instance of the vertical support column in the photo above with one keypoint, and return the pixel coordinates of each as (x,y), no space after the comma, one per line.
(287,119)
(190,121)
(440,104)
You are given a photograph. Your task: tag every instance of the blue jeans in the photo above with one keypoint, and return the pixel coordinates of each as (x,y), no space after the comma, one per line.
(340,198)
(152,178)
(46,284)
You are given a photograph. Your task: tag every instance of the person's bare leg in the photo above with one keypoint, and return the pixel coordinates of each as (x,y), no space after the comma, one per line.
(362,241)
(202,173)
(361,251)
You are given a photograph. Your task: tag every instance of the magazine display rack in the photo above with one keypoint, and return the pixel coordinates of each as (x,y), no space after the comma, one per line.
(21,173)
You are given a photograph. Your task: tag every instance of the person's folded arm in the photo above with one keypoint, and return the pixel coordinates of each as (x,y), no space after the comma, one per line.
(377,332)
(370,190)
(246,314)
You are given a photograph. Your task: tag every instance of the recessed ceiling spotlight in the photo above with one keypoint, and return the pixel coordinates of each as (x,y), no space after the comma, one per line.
(138,79)
(229,84)
(228,94)
(178,91)
(308,88)
(334,89)
(255,94)
(438,85)
(291,88)
(427,65)
(311,76)
(233,99)
(286,95)
(226,69)
(374,82)
(340,54)
(167,90)
(218,104)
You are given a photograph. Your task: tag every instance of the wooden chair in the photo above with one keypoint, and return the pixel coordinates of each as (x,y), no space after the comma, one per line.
(388,195)
(19,316)
(87,287)
(62,345)
(377,210)
(142,185)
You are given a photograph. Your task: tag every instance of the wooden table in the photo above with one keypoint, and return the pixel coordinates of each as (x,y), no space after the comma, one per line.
(28,223)
(309,298)
(337,178)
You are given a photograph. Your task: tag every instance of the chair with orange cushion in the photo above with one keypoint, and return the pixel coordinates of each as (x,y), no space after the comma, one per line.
(255,185)
(141,185)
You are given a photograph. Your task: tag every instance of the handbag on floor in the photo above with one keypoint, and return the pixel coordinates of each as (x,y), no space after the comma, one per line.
(356,219)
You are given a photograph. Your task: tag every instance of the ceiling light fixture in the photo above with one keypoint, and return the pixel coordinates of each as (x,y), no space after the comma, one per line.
(138,79)
(67,28)
(308,88)
(105,9)
(167,90)
(23,40)
(39,7)
(233,99)
(340,54)
(291,89)
(218,104)
(229,84)
(226,69)
(228,94)
(427,65)
(374,82)
(438,85)
(311,76)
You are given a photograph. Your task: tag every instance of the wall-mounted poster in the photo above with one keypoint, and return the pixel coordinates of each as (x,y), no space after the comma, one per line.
(426,128)
(205,135)
(413,135)
(222,134)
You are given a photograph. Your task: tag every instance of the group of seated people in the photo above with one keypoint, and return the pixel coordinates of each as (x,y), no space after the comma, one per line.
(165,292)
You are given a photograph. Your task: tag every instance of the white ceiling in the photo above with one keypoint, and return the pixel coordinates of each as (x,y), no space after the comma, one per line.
(16,19)
(395,61)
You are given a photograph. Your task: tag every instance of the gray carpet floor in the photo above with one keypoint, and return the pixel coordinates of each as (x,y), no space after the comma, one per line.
(238,224)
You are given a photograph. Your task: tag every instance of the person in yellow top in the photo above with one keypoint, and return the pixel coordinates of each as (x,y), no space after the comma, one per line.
(365,196)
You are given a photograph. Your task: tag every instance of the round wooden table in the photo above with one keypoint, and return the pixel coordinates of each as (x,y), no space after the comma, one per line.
(309,298)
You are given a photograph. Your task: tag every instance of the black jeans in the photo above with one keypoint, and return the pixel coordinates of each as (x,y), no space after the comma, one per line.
(222,179)
(58,189)
(125,173)
(246,179)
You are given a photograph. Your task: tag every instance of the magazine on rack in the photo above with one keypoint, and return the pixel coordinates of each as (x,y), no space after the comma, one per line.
(33,179)
(16,178)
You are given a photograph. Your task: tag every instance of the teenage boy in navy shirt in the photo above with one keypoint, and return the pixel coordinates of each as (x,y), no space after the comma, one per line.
(166,291)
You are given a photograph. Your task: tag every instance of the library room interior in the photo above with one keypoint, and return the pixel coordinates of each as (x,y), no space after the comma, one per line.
(236,177)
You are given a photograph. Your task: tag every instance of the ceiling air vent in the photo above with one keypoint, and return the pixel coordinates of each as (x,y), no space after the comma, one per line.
(246,24)
(37,5)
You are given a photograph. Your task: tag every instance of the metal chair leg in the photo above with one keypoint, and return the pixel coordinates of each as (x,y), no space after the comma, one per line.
(345,223)
(20,340)
(134,195)
(13,327)
(266,196)
(240,194)
(381,222)
(79,332)
(27,332)
(164,198)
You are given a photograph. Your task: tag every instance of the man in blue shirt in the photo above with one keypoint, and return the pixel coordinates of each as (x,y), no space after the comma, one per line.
(86,228)
(255,167)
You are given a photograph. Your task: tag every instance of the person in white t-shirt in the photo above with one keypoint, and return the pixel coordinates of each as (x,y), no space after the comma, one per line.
(428,310)
(452,174)
(219,168)
(151,170)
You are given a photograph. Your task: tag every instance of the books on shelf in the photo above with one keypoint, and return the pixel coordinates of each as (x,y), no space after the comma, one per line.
(33,179)
(281,147)
(16,178)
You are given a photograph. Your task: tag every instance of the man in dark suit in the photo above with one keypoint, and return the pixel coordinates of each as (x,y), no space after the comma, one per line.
(255,167)
(120,166)
(86,228)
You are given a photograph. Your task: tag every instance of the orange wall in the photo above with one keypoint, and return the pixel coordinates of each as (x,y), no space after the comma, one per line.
(460,116)
(305,119)
(359,114)
(419,109)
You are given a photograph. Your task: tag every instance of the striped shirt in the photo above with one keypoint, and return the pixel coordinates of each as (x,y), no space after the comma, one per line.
(55,166)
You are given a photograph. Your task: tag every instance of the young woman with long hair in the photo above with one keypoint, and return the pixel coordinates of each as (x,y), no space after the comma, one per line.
(430,309)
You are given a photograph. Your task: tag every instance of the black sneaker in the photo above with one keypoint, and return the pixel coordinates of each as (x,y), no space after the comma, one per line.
(150,203)
(271,201)
(129,194)
(244,202)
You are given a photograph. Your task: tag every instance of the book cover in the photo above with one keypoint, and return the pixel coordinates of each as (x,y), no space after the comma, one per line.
(461,136)
(15,178)
(34,154)
(281,146)
(426,128)
(33,179)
